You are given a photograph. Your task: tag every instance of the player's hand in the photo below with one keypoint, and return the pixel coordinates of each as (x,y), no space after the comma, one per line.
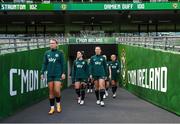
(83,83)
(61,85)
(42,77)
(105,78)
(63,76)
(89,79)
(109,76)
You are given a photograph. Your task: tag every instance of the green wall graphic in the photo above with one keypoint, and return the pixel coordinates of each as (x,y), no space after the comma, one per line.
(153,75)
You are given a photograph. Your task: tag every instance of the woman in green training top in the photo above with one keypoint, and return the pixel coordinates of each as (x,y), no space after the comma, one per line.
(114,69)
(98,72)
(54,65)
(79,76)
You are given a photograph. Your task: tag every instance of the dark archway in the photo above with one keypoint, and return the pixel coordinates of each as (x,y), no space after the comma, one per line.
(107,49)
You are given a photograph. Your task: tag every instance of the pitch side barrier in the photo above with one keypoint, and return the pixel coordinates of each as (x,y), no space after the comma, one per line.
(169,43)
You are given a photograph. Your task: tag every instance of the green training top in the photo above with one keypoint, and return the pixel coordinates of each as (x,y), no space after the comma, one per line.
(115,68)
(53,63)
(98,66)
(80,69)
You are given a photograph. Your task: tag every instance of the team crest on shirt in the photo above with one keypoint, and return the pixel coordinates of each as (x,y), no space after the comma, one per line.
(56,55)
(83,63)
(48,55)
(101,59)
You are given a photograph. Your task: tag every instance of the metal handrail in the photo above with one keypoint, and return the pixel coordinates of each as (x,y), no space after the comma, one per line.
(14,44)
(165,42)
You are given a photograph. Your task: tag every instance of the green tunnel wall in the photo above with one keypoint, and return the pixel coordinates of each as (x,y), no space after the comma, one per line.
(153,75)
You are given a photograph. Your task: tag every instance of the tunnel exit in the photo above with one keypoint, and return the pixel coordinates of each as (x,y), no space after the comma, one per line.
(89,50)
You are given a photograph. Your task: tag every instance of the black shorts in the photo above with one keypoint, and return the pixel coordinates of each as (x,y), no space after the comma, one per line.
(115,78)
(81,80)
(53,78)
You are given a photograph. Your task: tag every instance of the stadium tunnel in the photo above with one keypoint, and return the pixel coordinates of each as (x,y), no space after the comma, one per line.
(29,25)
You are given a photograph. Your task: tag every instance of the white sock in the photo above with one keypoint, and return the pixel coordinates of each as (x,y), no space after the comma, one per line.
(58,104)
(52,107)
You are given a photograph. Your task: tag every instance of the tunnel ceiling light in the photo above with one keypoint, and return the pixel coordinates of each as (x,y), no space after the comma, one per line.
(92,17)
(32,22)
(150,21)
(129,16)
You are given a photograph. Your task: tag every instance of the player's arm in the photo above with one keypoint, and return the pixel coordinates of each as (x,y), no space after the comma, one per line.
(110,72)
(105,67)
(86,68)
(90,67)
(44,65)
(62,61)
(73,72)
